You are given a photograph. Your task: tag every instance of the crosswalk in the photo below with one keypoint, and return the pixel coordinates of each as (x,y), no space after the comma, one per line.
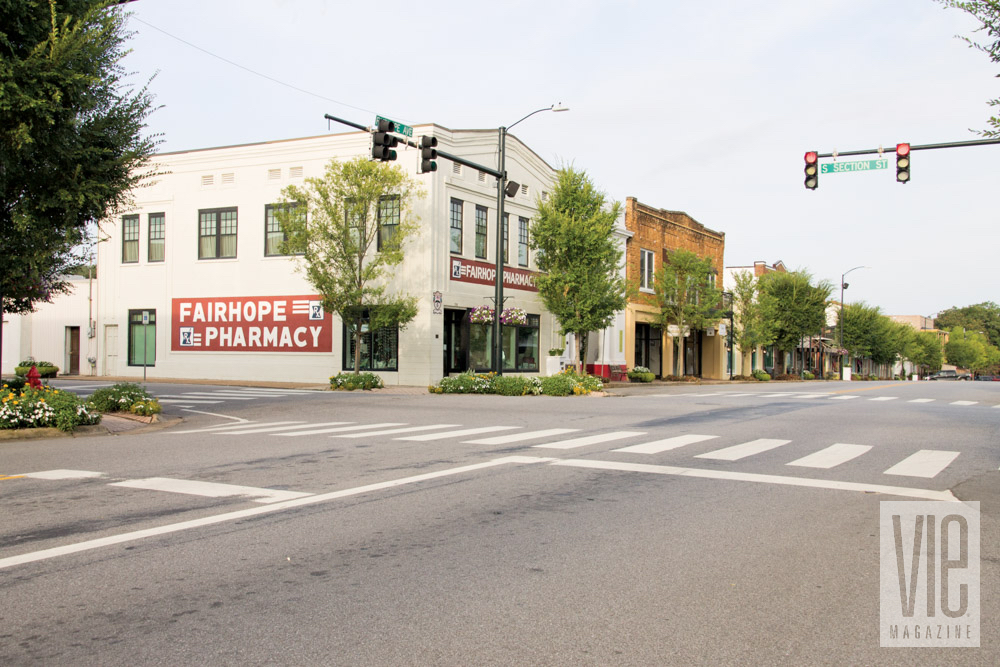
(192,399)
(831,396)
(925,463)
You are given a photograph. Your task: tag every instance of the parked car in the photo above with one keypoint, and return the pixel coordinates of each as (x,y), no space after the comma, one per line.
(948,375)
(988,378)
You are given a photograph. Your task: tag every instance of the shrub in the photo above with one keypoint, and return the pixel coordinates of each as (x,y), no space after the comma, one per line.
(467,383)
(120,398)
(45,368)
(681,378)
(640,374)
(761,376)
(558,385)
(832,375)
(38,408)
(787,377)
(743,377)
(15,383)
(556,351)
(565,383)
(808,376)
(516,385)
(352,381)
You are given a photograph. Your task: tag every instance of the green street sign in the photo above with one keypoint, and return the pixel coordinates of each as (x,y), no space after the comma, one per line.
(400,128)
(856,165)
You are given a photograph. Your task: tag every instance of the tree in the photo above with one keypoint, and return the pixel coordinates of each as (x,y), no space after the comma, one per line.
(987,12)
(71,144)
(925,351)
(686,296)
(796,307)
(751,327)
(970,349)
(581,283)
(349,229)
(983,317)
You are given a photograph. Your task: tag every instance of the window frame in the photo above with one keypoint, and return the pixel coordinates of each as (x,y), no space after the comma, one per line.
(522,240)
(506,238)
(161,236)
(647,259)
(387,230)
(269,219)
(218,235)
(134,313)
(368,359)
(482,231)
(130,238)
(455,206)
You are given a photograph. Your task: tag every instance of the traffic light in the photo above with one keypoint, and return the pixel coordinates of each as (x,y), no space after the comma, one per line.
(903,163)
(428,154)
(812,170)
(383,142)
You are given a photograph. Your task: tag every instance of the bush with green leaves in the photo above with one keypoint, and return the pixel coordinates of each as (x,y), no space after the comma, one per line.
(640,374)
(558,385)
(806,375)
(122,397)
(465,383)
(516,385)
(563,384)
(352,381)
(761,376)
(46,369)
(39,408)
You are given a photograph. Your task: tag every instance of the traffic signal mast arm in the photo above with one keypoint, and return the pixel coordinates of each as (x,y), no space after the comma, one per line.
(414,144)
(914,147)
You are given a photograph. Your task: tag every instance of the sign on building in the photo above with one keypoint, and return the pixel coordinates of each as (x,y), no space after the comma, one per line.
(251,324)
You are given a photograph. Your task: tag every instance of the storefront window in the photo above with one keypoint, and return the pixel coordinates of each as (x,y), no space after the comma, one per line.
(519,345)
(379,349)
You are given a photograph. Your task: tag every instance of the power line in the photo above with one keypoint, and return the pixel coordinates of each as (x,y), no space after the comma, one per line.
(247,69)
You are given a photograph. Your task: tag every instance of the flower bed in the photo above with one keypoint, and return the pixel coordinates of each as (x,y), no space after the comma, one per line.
(567,383)
(45,407)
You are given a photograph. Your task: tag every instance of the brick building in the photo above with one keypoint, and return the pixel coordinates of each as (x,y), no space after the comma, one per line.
(654,233)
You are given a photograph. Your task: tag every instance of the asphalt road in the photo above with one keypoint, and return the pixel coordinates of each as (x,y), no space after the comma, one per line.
(676,525)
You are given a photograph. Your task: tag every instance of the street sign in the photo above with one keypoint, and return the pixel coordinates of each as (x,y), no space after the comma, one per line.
(400,128)
(855,165)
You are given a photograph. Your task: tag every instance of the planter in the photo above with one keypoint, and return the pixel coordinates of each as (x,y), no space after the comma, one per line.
(553,365)
(43,371)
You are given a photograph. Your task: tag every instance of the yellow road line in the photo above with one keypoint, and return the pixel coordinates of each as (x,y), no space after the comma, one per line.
(11,477)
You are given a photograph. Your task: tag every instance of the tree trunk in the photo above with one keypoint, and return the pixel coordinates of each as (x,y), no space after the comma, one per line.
(582,346)
(357,348)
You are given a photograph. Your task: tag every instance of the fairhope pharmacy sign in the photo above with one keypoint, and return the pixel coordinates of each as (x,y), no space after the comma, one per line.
(481,273)
(251,324)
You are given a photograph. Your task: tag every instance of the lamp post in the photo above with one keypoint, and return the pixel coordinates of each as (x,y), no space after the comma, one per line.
(502,186)
(843,286)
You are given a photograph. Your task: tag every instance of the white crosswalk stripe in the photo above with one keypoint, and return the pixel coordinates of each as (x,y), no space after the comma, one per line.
(521,437)
(925,463)
(222,427)
(291,426)
(338,429)
(921,400)
(963,402)
(843,398)
(832,456)
(394,431)
(591,439)
(737,452)
(883,398)
(186,402)
(428,437)
(657,446)
(210,489)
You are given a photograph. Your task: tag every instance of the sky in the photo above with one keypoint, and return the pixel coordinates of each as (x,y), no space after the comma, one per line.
(706,108)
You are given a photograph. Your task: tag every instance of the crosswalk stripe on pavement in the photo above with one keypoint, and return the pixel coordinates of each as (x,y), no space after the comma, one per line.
(657,446)
(521,437)
(832,456)
(925,463)
(591,439)
(737,452)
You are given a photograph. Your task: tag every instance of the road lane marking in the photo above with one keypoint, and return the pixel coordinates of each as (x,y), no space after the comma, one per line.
(927,494)
(63,474)
(427,437)
(241,430)
(210,489)
(925,463)
(11,477)
(737,452)
(832,456)
(921,400)
(219,427)
(256,511)
(393,431)
(884,398)
(520,437)
(963,402)
(338,429)
(843,397)
(666,444)
(591,439)
(186,402)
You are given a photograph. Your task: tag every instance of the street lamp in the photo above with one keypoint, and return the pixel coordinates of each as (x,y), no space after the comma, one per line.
(502,187)
(843,286)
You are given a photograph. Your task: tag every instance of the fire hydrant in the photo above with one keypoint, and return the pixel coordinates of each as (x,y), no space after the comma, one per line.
(33,380)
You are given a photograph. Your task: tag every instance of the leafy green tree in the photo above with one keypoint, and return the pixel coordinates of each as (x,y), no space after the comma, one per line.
(581,283)
(71,142)
(751,326)
(686,296)
(925,351)
(987,12)
(983,317)
(348,230)
(891,341)
(970,349)
(795,307)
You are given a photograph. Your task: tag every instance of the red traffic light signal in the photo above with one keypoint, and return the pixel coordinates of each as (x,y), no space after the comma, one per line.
(903,163)
(812,170)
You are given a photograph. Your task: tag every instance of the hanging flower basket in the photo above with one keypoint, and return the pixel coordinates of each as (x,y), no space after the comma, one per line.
(513,316)
(481,315)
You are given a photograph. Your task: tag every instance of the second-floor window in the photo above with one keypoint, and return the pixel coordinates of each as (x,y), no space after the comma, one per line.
(506,229)
(130,239)
(456,226)
(646,258)
(481,231)
(217,233)
(388,218)
(274,235)
(522,241)
(157,237)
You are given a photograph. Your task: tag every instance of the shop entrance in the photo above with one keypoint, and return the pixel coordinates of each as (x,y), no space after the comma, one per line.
(456,341)
(647,347)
